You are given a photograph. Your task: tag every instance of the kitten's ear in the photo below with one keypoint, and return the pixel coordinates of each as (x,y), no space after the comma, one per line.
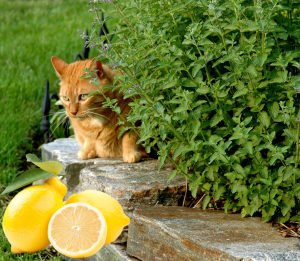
(59,65)
(100,71)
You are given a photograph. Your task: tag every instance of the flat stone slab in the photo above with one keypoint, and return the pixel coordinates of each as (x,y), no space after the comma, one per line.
(132,185)
(65,150)
(112,252)
(177,233)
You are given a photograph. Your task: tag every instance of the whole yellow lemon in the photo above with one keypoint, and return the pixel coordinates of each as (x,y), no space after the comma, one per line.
(26,218)
(111,209)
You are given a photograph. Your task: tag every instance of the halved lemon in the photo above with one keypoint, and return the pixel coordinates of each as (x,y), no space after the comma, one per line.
(77,230)
(111,209)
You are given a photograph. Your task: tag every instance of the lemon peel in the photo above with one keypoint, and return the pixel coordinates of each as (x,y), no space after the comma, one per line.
(25,220)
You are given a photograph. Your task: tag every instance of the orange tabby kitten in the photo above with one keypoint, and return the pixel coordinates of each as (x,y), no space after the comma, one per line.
(96,127)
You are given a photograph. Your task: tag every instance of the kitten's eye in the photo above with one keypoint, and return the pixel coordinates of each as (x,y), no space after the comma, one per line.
(65,98)
(83,97)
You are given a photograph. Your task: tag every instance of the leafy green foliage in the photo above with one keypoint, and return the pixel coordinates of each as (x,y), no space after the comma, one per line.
(216,84)
(59,122)
(34,31)
(26,178)
(46,169)
(52,166)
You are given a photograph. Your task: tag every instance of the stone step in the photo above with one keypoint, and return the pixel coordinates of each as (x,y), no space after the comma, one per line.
(112,252)
(131,184)
(177,233)
(167,232)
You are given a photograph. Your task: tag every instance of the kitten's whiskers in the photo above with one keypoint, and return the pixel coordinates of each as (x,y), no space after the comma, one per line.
(91,114)
(62,116)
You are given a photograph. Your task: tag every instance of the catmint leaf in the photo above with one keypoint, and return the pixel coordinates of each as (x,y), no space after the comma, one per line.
(240,92)
(203,89)
(247,120)
(51,166)
(239,169)
(181,108)
(163,132)
(194,184)
(172,175)
(219,192)
(277,182)
(187,42)
(159,107)
(249,147)
(266,182)
(263,84)
(296,218)
(275,157)
(252,71)
(206,186)
(27,178)
(292,134)
(286,204)
(217,118)
(169,85)
(213,158)
(223,94)
(247,25)
(244,212)
(274,110)
(267,212)
(280,77)
(189,83)
(295,80)
(196,69)
(214,139)
(261,59)
(180,150)
(195,128)
(206,201)
(264,118)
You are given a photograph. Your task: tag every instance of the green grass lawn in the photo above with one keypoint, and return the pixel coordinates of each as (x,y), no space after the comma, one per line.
(31,32)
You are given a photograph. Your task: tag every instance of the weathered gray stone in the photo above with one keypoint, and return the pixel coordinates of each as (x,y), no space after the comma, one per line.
(167,233)
(115,252)
(112,252)
(132,184)
(65,150)
(175,233)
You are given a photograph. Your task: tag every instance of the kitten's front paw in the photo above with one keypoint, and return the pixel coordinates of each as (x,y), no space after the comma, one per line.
(132,157)
(84,155)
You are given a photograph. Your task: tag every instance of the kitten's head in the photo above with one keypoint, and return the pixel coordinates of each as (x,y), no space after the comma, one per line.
(77,93)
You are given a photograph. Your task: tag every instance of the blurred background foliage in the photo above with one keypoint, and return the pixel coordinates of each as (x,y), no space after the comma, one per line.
(31,32)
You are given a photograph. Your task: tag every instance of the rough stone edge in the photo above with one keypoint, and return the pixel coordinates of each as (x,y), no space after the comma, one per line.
(224,253)
(112,252)
(208,254)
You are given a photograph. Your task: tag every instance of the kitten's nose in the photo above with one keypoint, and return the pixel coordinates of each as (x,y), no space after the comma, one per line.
(73,109)
(73,113)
